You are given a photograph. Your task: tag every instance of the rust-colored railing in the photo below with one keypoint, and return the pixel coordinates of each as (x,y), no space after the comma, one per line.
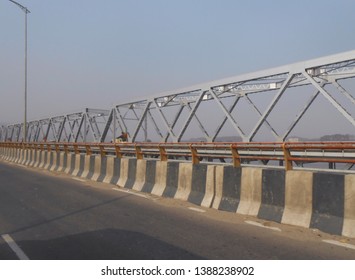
(287,154)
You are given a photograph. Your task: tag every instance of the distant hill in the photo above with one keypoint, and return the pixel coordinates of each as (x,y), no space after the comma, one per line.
(332,137)
(338,137)
(218,139)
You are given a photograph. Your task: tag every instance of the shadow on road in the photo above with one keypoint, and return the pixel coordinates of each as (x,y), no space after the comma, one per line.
(106,244)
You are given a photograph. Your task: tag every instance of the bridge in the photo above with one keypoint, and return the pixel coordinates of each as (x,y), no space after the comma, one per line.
(174,147)
(248,107)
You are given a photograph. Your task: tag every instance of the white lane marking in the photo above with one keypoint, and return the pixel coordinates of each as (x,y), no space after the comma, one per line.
(17,250)
(134,193)
(261,225)
(196,209)
(337,243)
(77,179)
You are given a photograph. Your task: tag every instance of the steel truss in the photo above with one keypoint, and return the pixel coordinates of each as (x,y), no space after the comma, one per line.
(167,117)
(82,126)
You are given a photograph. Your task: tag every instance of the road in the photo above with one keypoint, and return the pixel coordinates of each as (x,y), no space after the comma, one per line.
(47,215)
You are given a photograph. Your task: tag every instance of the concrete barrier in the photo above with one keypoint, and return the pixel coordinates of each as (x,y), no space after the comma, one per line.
(123,172)
(184,181)
(228,189)
(96,172)
(33,158)
(38,160)
(172,179)
(62,165)
(298,198)
(28,157)
(199,184)
(272,195)
(150,176)
(328,202)
(53,160)
(140,175)
(349,207)
(113,170)
(70,164)
(44,159)
(56,161)
(129,171)
(210,187)
(88,166)
(309,199)
(250,193)
(79,165)
(161,171)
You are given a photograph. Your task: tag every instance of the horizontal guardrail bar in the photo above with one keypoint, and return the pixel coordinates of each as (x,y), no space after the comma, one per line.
(284,154)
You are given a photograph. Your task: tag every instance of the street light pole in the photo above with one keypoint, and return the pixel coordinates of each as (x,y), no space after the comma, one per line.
(26,11)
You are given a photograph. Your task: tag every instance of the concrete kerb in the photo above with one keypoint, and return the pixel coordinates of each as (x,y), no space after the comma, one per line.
(17,155)
(131,172)
(161,171)
(44,159)
(49,161)
(140,176)
(62,164)
(328,202)
(123,172)
(109,170)
(88,166)
(199,184)
(39,155)
(54,161)
(210,186)
(228,191)
(172,179)
(349,207)
(150,176)
(184,181)
(114,168)
(34,158)
(28,157)
(92,166)
(298,198)
(96,172)
(103,169)
(23,157)
(272,195)
(250,193)
(79,165)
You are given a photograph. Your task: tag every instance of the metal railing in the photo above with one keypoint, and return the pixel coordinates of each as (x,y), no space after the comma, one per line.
(287,154)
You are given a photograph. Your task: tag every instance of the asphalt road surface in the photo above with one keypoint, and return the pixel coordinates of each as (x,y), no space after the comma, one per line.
(50,216)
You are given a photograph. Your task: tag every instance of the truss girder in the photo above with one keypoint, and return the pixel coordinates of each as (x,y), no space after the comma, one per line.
(164,116)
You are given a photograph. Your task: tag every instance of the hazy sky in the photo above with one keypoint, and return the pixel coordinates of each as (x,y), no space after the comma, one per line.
(97,53)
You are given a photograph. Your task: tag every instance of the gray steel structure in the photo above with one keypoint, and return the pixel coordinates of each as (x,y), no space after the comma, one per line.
(168,116)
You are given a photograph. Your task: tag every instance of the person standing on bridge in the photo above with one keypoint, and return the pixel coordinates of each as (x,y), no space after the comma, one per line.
(122,138)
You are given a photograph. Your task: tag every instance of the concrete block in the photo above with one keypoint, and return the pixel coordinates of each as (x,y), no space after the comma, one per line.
(172,179)
(150,176)
(184,181)
(273,195)
(141,168)
(160,178)
(231,189)
(349,207)
(298,198)
(328,202)
(102,171)
(250,193)
(198,187)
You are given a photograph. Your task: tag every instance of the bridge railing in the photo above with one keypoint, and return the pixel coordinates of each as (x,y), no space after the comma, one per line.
(286,154)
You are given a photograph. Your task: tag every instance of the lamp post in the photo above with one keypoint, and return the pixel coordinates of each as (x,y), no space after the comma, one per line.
(26,11)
